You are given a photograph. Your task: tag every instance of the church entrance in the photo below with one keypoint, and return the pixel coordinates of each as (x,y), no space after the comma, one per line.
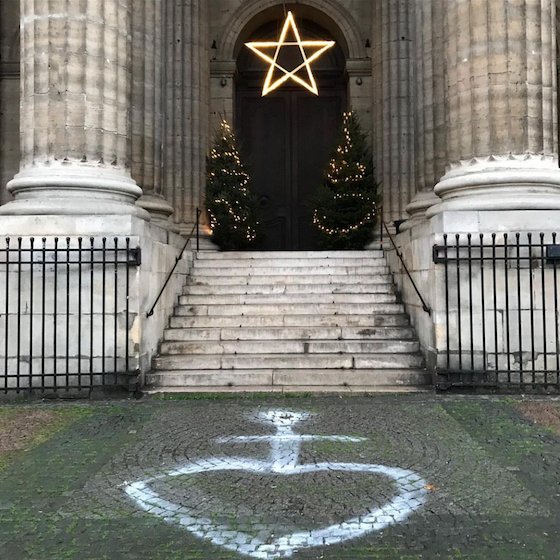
(287,136)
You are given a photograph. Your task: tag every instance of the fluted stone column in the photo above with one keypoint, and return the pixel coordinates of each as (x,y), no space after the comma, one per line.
(147,107)
(501,106)
(430,148)
(187,108)
(393,72)
(75,127)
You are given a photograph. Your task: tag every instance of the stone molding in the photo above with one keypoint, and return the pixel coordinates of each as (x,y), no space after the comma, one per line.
(9,69)
(359,67)
(67,189)
(513,182)
(418,207)
(223,68)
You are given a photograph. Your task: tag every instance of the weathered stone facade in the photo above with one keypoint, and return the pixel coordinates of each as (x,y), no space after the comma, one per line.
(443,99)
(117,101)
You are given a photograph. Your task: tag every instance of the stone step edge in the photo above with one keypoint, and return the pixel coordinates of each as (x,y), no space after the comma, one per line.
(349,361)
(216,255)
(298,320)
(355,390)
(167,345)
(267,378)
(290,263)
(170,336)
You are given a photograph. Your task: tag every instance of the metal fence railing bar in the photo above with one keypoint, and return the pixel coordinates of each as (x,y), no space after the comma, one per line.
(65,312)
(501,310)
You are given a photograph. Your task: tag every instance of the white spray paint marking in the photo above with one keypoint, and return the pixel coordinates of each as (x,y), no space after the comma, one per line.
(285,444)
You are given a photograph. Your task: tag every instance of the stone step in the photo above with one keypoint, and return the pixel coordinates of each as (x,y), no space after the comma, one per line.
(269,379)
(272,263)
(288,280)
(267,289)
(289,333)
(294,271)
(253,255)
(290,309)
(287,320)
(288,361)
(315,346)
(359,321)
(293,299)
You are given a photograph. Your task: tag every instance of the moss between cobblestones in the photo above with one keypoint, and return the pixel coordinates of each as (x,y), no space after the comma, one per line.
(57,420)
(530,452)
(496,478)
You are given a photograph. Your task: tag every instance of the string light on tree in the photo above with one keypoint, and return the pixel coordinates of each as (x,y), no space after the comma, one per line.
(230,203)
(345,211)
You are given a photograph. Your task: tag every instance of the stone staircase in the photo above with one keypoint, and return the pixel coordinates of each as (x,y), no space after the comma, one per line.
(289,321)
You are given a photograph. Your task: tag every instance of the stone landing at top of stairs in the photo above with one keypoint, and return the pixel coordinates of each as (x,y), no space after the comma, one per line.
(289,321)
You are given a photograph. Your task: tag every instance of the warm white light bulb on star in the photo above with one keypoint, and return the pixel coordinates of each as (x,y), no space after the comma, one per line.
(259,48)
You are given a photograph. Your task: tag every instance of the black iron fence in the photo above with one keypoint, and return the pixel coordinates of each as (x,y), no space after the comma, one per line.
(501,311)
(65,312)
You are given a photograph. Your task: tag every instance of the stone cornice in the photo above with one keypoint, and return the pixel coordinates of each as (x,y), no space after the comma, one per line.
(9,69)
(223,68)
(359,67)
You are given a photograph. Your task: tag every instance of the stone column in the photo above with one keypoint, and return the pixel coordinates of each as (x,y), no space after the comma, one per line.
(501,106)
(75,129)
(393,73)
(147,107)
(430,147)
(187,109)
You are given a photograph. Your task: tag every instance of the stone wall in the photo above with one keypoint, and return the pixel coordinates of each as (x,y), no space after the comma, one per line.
(416,245)
(159,249)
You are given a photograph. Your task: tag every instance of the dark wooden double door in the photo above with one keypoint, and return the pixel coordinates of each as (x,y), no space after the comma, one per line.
(287,138)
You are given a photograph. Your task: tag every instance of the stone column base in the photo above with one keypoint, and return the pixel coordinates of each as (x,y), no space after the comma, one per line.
(418,207)
(523,182)
(73,190)
(160,210)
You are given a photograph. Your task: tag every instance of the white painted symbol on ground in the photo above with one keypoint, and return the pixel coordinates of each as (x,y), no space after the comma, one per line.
(410,493)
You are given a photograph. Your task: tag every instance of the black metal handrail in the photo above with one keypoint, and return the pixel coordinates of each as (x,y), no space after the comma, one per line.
(196,228)
(425,306)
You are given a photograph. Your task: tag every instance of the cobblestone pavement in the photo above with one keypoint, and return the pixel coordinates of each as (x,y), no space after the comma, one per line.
(384,477)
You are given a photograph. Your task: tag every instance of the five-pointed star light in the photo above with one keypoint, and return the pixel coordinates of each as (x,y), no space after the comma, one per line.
(320,47)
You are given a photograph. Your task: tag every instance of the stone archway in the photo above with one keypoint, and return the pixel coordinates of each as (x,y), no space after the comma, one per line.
(341,20)
(329,14)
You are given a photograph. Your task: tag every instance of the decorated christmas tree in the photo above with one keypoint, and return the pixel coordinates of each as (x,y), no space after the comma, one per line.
(230,203)
(345,205)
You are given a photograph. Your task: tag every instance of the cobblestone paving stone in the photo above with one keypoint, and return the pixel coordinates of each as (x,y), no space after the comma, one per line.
(232,478)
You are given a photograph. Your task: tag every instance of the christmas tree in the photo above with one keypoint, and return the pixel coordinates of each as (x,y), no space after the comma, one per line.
(231,205)
(345,211)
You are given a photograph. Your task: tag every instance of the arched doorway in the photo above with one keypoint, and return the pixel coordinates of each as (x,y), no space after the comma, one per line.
(287,136)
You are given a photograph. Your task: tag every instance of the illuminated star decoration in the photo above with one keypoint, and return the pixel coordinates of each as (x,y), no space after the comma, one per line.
(261,46)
